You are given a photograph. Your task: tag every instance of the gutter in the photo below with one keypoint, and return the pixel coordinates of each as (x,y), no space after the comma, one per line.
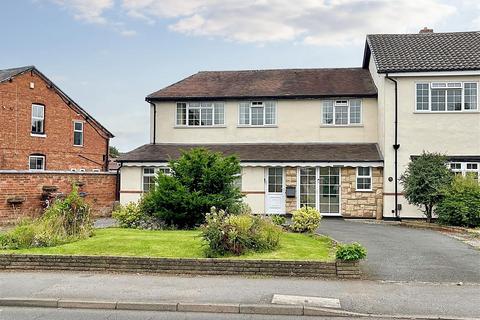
(396,146)
(154,121)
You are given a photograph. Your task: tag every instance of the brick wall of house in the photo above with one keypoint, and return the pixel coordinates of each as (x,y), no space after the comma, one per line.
(17,143)
(100,189)
(364,204)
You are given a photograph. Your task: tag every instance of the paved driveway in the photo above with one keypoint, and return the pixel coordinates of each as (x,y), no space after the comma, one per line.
(404,254)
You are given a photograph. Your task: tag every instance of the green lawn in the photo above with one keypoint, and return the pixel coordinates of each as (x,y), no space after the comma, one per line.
(181,244)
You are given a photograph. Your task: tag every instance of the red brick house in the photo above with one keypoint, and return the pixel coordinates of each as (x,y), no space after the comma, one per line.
(41,128)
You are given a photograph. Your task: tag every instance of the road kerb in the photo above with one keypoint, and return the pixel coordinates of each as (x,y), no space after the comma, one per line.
(79,304)
(287,310)
(209,307)
(147,306)
(29,302)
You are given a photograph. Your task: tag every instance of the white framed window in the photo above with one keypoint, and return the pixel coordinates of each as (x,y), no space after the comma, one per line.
(446,96)
(149,174)
(38,119)
(465,169)
(342,112)
(36,162)
(200,114)
(257,113)
(78,133)
(364,179)
(308,187)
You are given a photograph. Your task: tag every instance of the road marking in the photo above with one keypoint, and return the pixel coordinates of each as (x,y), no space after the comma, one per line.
(307,301)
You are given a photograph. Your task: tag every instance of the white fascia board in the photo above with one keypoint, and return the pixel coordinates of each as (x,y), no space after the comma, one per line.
(145,164)
(435,73)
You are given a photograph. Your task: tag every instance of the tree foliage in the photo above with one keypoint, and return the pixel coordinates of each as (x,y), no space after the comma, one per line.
(199,180)
(113,152)
(424,181)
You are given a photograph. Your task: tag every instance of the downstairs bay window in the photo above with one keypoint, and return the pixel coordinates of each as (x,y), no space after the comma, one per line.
(200,114)
(149,174)
(364,179)
(446,96)
(465,169)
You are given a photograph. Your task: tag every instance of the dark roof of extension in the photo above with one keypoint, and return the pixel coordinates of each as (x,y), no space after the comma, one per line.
(263,152)
(7,74)
(454,51)
(280,83)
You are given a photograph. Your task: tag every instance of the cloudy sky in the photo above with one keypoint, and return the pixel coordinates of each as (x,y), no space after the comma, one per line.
(109,54)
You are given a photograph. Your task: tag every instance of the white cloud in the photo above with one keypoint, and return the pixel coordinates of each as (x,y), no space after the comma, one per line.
(319,22)
(316,22)
(90,11)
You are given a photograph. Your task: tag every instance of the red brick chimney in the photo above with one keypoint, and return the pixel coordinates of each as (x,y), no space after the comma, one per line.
(426,30)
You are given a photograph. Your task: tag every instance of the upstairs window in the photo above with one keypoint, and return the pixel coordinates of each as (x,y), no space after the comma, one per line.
(257,113)
(38,119)
(446,96)
(200,114)
(342,112)
(36,162)
(78,133)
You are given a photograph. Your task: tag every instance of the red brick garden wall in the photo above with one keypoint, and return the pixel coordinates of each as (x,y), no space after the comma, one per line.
(100,189)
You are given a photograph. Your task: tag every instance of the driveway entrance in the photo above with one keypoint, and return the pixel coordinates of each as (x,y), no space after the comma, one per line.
(403,254)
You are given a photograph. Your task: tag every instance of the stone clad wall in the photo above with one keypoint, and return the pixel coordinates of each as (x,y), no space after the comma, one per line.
(363,204)
(290,181)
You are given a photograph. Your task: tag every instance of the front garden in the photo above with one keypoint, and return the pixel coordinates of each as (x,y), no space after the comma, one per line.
(195,212)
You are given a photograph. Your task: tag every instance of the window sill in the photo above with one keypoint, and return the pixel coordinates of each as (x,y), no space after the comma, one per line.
(362,190)
(200,127)
(259,126)
(38,135)
(341,126)
(446,112)
(78,145)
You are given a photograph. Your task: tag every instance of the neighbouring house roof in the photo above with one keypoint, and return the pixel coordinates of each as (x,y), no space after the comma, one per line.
(454,51)
(281,83)
(263,152)
(8,74)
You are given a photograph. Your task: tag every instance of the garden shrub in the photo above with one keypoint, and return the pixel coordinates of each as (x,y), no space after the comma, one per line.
(351,252)
(240,208)
(460,205)
(279,220)
(199,180)
(129,215)
(236,234)
(65,221)
(305,219)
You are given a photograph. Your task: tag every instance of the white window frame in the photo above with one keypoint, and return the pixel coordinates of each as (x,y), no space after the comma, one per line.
(446,85)
(36,156)
(358,176)
(188,107)
(78,131)
(341,103)
(463,170)
(166,170)
(34,118)
(258,104)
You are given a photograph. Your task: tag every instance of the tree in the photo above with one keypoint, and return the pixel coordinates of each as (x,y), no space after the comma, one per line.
(113,152)
(424,181)
(199,180)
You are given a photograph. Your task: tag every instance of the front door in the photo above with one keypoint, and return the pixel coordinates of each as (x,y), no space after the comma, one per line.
(274,195)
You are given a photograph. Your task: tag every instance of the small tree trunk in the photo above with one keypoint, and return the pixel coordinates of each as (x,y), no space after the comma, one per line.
(429,214)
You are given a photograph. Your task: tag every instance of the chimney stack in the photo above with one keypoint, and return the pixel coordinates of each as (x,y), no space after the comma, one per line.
(426,30)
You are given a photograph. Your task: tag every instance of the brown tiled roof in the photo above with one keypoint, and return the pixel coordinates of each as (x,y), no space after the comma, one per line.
(263,152)
(281,83)
(454,51)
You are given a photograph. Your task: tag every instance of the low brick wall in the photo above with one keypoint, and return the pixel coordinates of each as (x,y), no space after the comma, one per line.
(180,266)
(21,192)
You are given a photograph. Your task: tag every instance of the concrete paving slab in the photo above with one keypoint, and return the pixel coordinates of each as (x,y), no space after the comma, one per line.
(306,301)
(29,302)
(152,306)
(80,304)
